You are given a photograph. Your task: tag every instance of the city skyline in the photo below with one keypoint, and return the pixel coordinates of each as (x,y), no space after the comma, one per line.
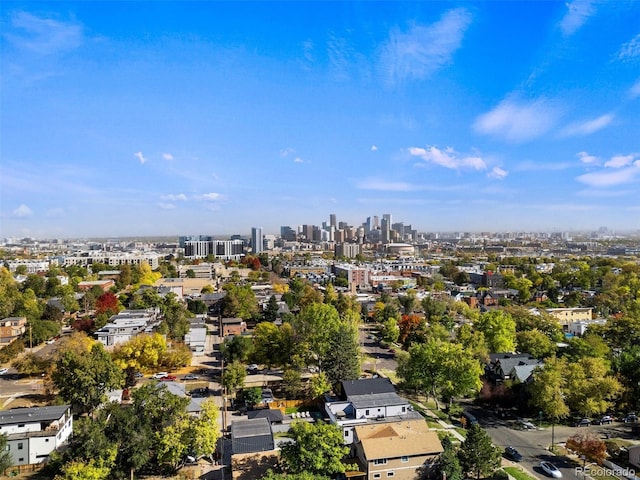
(167,118)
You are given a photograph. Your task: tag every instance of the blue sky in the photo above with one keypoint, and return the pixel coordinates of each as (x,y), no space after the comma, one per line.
(170,118)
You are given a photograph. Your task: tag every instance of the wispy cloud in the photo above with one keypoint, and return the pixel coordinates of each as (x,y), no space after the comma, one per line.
(140,157)
(497,173)
(298,160)
(173,198)
(518,121)
(618,170)
(374,148)
(421,50)
(43,36)
(577,14)
(22,211)
(285,152)
(448,158)
(341,57)
(634,91)
(167,156)
(213,196)
(529,166)
(166,206)
(384,185)
(631,49)
(587,127)
(586,158)
(619,161)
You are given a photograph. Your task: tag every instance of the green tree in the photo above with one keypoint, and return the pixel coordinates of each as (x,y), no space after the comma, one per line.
(84,380)
(77,470)
(234,375)
(292,380)
(238,348)
(317,449)
(203,430)
(271,311)
(590,389)
(239,301)
(9,293)
(499,330)
(478,456)
(390,331)
(318,385)
(312,329)
(450,467)
(270,475)
(39,331)
(5,455)
(536,343)
(342,358)
(440,368)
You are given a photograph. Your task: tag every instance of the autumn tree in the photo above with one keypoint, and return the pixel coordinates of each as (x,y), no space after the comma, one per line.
(108,304)
(239,301)
(589,445)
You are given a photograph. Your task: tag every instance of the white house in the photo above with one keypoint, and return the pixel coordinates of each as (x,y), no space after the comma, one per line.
(33,433)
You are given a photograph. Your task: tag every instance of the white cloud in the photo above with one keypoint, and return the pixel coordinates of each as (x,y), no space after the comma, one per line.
(384,185)
(516,121)
(172,197)
(43,36)
(167,156)
(447,158)
(609,178)
(589,126)
(421,50)
(634,91)
(140,157)
(298,160)
(166,206)
(630,49)
(22,212)
(619,161)
(285,152)
(578,13)
(213,196)
(497,173)
(586,158)
(374,148)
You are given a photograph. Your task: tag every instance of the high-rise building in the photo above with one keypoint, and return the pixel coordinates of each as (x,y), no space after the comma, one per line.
(332,220)
(385,230)
(375,223)
(257,240)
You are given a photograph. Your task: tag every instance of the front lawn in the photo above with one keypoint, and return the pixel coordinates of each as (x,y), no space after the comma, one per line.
(518,474)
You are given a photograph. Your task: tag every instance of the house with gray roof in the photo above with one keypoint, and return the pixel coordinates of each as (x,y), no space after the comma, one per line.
(250,436)
(501,365)
(33,433)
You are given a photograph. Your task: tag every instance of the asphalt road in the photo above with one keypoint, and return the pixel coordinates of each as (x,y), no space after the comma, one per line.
(533,444)
(382,358)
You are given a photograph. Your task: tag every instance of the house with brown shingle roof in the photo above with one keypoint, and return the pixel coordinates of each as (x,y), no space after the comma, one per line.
(403,450)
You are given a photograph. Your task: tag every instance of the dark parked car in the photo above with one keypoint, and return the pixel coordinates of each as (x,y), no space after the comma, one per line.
(585,422)
(512,454)
(631,418)
(606,420)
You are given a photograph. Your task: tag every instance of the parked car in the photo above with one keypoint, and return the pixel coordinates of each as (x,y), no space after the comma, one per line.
(550,469)
(3,371)
(512,454)
(252,369)
(168,378)
(606,420)
(631,418)
(138,375)
(585,422)
(159,375)
(190,376)
(267,395)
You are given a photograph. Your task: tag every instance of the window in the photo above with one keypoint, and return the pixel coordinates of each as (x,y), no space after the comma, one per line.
(380,461)
(21,460)
(20,425)
(391,474)
(404,409)
(20,445)
(366,412)
(404,459)
(377,475)
(346,433)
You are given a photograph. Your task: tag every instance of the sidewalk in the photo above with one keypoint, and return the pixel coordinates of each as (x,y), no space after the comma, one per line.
(445,426)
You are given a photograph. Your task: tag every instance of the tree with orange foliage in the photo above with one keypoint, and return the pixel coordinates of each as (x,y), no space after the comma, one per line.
(589,445)
(410,325)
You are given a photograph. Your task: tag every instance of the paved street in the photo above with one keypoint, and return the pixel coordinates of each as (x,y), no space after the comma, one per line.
(533,444)
(381,359)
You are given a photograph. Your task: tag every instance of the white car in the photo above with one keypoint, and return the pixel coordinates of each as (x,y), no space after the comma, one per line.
(160,375)
(3,371)
(550,469)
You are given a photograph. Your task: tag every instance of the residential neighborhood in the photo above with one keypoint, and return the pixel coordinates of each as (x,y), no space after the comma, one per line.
(393,357)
